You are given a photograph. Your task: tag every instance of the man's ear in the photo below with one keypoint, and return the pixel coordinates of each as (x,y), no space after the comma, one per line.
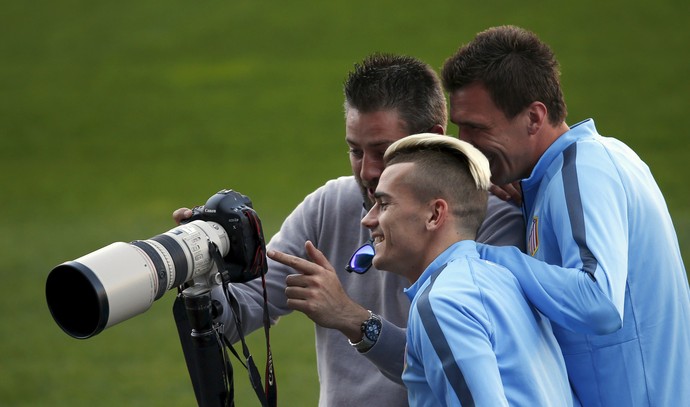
(437,129)
(537,115)
(438,214)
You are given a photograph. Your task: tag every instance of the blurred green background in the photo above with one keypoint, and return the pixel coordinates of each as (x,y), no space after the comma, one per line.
(113,114)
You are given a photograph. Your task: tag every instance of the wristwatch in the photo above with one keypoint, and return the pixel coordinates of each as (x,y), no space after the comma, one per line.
(371,329)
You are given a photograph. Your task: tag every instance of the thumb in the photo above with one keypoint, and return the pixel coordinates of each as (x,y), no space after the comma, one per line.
(317,256)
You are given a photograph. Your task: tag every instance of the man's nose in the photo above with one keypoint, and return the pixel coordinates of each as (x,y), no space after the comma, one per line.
(369,220)
(371,169)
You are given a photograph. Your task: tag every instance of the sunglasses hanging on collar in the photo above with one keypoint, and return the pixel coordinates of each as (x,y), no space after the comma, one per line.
(361,259)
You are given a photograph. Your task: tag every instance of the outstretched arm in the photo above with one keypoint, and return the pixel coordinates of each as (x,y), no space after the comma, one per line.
(568,297)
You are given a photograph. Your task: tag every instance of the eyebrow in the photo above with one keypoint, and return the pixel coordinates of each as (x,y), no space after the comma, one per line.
(379,195)
(469,123)
(377,144)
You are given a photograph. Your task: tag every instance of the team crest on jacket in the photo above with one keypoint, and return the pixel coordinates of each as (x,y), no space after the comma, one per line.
(533,242)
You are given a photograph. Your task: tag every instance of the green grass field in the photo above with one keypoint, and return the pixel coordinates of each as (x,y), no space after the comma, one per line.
(113,114)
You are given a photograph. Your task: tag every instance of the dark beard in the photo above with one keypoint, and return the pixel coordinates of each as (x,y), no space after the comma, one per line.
(366,202)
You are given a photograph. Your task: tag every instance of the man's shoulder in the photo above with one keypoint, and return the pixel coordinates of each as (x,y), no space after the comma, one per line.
(498,205)
(343,183)
(504,224)
(337,197)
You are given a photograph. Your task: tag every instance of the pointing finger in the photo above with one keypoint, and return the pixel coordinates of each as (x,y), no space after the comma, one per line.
(301,265)
(317,256)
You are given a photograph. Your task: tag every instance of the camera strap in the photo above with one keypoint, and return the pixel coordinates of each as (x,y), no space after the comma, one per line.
(268,397)
(259,266)
(254,376)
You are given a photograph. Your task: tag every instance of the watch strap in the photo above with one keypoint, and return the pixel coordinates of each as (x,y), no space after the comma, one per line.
(366,343)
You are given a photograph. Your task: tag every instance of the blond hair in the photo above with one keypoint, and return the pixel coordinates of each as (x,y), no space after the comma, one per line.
(476,161)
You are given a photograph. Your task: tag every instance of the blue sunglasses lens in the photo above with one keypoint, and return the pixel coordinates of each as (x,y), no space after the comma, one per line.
(361,260)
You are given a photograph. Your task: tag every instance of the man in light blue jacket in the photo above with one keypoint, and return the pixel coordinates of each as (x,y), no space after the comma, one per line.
(472,336)
(605,264)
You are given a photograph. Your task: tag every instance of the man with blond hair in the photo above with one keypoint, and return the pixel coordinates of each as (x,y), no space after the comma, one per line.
(387,97)
(472,337)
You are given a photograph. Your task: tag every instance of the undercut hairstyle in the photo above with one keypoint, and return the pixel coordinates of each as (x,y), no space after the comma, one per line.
(515,67)
(449,169)
(383,82)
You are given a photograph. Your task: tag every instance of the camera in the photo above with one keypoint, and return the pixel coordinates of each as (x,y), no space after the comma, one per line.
(222,242)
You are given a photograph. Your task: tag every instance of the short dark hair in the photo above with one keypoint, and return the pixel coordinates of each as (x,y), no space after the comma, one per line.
(515,67)
(401,83)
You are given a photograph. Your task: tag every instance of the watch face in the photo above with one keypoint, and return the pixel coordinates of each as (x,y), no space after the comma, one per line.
(372,329)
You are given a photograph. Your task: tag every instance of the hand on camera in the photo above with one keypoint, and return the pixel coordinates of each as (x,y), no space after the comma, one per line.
(181,214)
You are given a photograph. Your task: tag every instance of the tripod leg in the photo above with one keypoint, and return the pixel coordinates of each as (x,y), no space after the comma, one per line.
(211,377)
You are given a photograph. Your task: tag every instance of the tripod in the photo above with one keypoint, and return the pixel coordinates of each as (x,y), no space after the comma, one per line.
(209,369)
